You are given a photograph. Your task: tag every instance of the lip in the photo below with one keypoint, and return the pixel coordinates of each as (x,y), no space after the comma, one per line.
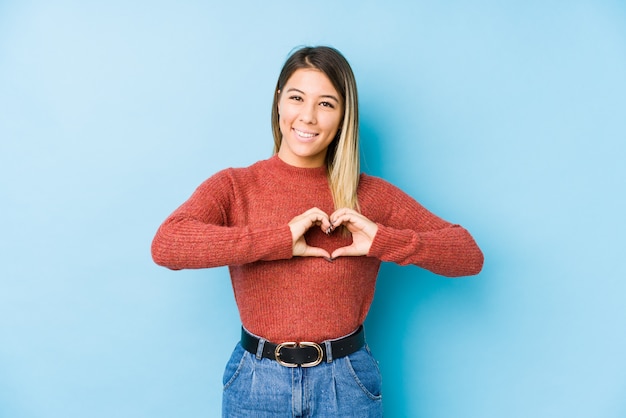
(304,135)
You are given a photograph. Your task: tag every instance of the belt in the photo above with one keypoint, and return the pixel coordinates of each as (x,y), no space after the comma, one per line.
(304,354)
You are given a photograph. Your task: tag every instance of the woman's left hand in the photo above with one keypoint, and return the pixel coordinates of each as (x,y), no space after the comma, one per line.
(362,229)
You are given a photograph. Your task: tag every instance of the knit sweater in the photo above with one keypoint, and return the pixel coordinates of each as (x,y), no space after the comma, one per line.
(239,218)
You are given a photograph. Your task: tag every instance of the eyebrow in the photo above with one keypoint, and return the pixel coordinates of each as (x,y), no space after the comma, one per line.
(328,96)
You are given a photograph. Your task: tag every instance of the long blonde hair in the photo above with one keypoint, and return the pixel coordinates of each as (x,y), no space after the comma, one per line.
(342,157)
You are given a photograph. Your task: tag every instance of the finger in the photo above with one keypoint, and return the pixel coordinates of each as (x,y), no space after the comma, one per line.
(317,217)
(349,251)
(317,212)
(348,219)
(302,223)
(315,252)
(356,223)
(326,226)
(339,213)
(344,215)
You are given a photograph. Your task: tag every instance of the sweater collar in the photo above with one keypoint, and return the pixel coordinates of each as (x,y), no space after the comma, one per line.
(290,173)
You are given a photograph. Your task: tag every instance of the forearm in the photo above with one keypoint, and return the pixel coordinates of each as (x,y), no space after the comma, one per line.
(182,243)
(449,251)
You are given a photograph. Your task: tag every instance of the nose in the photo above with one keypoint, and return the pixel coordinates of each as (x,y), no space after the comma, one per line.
(308,114)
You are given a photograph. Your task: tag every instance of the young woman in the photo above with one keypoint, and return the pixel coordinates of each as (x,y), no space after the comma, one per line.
(303,234)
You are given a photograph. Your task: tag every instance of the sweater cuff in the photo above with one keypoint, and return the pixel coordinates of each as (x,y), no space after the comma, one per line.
(273,244)
(391,244)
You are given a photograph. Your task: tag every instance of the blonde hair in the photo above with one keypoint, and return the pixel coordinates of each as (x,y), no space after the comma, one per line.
(342,157)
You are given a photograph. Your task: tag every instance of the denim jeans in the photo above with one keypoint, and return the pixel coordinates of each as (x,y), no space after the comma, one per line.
(346,387)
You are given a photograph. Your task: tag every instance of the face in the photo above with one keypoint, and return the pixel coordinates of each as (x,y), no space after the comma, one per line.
(310,111)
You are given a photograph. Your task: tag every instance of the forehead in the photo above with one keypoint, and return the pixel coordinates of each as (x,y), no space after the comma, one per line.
(311,81)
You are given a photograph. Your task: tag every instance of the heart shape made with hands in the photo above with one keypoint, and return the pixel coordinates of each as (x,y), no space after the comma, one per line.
(361,228)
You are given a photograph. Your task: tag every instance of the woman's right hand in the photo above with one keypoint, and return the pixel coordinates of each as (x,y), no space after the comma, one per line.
(302,223)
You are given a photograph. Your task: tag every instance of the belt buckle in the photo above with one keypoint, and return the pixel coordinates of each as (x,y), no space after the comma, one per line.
(318,360)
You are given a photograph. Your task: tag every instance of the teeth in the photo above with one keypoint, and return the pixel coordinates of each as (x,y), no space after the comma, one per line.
(304,134)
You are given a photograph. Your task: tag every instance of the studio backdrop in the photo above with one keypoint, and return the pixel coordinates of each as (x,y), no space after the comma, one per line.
(508,118)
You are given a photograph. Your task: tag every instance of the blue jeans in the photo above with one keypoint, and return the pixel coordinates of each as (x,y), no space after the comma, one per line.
(346,387)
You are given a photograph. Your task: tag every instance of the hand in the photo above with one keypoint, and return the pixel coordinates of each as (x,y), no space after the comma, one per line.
(302,223)
(362,229)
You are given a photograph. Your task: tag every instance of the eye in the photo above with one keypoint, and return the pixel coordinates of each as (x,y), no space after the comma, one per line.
(296,98)
(328,104)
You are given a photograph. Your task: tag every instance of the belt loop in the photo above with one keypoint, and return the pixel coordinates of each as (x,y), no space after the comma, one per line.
(259,349)
(329,351)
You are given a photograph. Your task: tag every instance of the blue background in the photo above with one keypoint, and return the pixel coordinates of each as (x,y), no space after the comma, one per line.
(506,117)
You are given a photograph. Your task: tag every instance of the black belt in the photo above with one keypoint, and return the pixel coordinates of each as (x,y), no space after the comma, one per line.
(304,354)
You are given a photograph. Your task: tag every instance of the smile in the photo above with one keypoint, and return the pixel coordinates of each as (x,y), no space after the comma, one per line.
(304,135)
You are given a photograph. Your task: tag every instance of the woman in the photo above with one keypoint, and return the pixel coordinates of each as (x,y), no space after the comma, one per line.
(303,234)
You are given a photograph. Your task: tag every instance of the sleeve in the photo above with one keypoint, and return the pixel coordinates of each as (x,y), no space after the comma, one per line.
(409,234)
(198,233)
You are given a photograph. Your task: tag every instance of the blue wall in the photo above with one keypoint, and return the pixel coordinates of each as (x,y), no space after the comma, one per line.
(506,117)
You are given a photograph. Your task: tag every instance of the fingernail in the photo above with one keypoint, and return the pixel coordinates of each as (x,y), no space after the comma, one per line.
(329,259)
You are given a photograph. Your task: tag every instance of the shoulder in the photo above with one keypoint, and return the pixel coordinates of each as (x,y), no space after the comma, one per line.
(255,169)
(232,177)
(371,184)
(378,195)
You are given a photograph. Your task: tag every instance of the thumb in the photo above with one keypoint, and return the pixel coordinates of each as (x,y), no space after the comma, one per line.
(315,252)
(345,252)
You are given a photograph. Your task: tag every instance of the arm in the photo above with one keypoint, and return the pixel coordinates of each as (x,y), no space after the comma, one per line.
(199,235)
(410,234)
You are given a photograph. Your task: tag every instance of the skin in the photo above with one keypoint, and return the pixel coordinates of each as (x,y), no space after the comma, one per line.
(310,112)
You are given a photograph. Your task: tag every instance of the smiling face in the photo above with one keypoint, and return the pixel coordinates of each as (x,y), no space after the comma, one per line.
(310,111)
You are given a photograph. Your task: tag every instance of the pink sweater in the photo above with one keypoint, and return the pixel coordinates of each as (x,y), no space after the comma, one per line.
(238,218)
